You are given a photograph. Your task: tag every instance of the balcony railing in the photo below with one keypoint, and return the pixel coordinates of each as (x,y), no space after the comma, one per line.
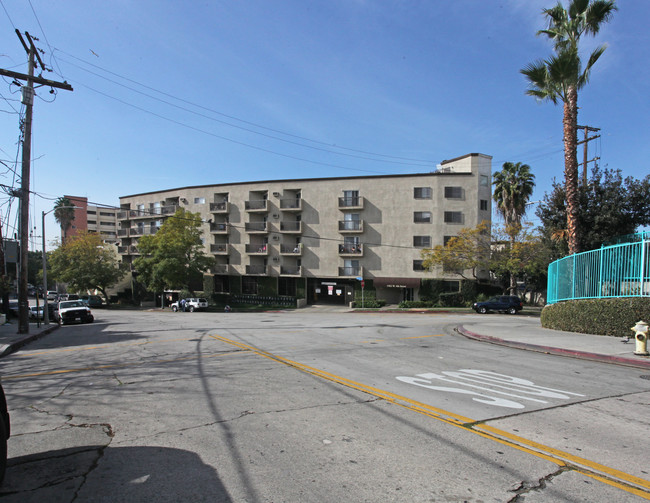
(291,227)
(256,227)
(356,250)
(351,271)
(291,204)
(220,269)
(351,203)
(142,231)
(166,210)
(350,225)
(257,249)
(256,205)
(290,270)
(127,250)
(256,269)
(222,207)
(219,249)
(290,250)
(219,228)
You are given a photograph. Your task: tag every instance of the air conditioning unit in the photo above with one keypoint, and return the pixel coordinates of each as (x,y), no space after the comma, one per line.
(275,237)
(276,194)
(276,216)
(276,259)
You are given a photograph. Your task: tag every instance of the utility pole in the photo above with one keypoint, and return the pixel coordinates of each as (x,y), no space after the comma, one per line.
(585,162)
(28,101)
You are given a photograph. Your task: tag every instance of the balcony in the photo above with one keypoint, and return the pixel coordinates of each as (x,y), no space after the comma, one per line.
(256,227)
(223,207)
(220,269)
(294,227)
(353,272)
(219,228)
(127,250)
(350,226)
(257,205)
(294,250)
(291,204)
(351,250)
(257,270)
(220,249)
(123,233)
(165,210)
(290,270)
(257,249)
(351,203)
(142,231)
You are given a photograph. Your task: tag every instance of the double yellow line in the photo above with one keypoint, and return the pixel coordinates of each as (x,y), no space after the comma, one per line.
(611,476)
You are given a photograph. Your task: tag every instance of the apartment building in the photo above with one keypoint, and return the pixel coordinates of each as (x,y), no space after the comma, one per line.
(93,218)
(317,238)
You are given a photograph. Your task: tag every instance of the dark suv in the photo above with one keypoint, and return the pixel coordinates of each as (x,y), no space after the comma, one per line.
(502,303)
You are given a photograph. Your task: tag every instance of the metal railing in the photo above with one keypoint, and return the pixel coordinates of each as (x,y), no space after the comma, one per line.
(618,270)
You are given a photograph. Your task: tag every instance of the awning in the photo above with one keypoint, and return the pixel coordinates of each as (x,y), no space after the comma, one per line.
(396,282)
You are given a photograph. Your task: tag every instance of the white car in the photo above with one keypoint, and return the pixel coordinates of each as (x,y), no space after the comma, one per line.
(73,310)
(192,304)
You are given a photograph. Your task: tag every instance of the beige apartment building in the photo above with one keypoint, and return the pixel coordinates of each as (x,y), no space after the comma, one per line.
(317,239)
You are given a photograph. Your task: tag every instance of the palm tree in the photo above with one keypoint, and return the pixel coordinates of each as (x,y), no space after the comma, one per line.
(513,186)
(560,77)
(64,214)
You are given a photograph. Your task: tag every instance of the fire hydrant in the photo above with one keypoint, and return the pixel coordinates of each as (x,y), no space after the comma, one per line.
(641,336)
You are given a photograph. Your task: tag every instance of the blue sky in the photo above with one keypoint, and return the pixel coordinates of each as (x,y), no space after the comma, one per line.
(170,94)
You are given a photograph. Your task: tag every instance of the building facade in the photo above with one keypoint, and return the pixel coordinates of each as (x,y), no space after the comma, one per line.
(92,218)
(317,239)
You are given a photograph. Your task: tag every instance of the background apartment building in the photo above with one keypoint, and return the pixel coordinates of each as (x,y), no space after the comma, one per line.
(90,217)
(314,238)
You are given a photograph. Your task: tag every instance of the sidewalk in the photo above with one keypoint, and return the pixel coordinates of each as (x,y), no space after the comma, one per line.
(527,333)
(11,340)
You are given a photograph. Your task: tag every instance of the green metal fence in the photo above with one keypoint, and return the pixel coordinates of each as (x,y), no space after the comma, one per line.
(621,269)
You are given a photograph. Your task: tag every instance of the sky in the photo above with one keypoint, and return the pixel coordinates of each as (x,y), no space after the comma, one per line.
(171,94)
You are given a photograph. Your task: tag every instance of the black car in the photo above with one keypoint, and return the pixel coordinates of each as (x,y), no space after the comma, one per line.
(501,303)
(5,431)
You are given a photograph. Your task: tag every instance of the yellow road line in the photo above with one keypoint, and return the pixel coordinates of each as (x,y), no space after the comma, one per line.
(561,458)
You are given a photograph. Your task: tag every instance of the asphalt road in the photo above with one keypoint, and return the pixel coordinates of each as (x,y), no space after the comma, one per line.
(315,407)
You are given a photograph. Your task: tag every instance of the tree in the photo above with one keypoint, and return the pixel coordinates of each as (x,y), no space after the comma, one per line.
(466,254)
(561,77)
(64,214)
(173,257)
(84,262)
(609,206)
(513,186)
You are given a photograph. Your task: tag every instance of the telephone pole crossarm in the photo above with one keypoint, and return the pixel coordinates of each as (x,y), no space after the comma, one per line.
(36,80)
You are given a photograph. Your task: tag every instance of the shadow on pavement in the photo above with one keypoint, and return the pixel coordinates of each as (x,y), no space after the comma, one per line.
(99,473)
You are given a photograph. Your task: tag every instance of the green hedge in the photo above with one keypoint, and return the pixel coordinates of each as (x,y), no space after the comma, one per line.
(597,316)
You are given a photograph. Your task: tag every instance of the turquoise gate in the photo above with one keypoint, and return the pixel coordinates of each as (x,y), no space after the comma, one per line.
(620,269)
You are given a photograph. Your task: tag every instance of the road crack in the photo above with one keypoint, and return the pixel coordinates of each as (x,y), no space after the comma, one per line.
(527,487)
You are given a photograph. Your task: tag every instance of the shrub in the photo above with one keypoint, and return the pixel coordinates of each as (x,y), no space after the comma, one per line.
(415,304)
(371,303)
(597,316)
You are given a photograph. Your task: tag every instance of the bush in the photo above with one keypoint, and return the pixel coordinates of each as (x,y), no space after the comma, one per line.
(597,316)
(415,304)
(371,303)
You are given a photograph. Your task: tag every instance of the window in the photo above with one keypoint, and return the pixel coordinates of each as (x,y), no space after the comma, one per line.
(92,212)
(422,241)
(453,217)
(453,192)
(484,181)
(420,217)
(92,222)
(451,286)
(249,285)
(484,205)
(417,265)
(422,192)
(105,223)
(446,239)
(350,198)
(199,200)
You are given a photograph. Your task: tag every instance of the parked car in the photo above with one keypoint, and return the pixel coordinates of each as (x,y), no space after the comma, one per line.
(38,314)
(501,303)
(5,432)
(13,308)
(192,304)
(92,300)
(52,295)
(73,310)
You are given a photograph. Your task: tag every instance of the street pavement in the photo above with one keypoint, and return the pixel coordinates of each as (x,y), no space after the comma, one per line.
(521,331)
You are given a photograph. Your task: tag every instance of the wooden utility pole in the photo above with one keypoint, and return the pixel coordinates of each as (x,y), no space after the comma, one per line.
(586,161)
(28,101)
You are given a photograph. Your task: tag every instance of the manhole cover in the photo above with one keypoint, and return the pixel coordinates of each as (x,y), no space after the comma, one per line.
(645,377)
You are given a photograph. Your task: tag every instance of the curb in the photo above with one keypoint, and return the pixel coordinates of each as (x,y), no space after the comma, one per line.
(7,349)
(618,360)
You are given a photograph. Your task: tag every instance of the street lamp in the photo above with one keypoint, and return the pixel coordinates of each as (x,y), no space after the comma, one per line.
(46,313)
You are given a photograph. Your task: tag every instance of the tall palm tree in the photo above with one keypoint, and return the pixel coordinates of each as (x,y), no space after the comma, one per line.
(513,186)
(64,214)
(560,77)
